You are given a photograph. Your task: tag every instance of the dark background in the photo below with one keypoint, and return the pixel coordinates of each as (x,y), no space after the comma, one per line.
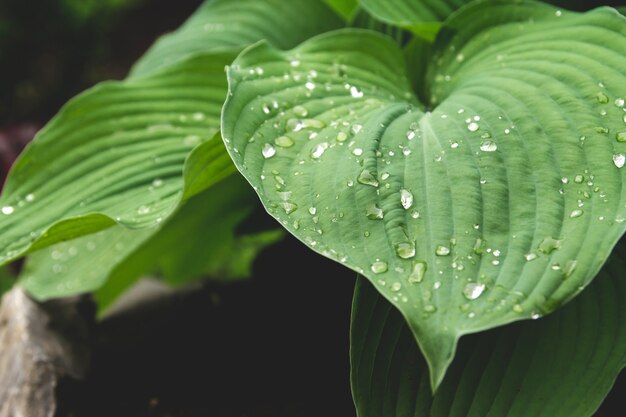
(274,346)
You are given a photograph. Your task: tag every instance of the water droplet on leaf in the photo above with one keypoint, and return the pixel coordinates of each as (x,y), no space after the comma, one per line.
(366,178)
(473,290)
(268,151)
(379,267)
(442,251)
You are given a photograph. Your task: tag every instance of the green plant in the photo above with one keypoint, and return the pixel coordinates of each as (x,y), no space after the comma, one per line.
(465,158)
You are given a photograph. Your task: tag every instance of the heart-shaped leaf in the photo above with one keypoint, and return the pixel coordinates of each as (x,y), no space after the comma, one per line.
(497,201)
(560,366)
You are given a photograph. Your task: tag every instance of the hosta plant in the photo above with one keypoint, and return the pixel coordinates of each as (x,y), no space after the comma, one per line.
(466,159)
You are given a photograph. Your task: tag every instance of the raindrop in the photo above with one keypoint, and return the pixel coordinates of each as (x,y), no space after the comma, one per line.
(356,128)
(319,150)
(602,98)
(379,267)
(518,308)
(621,136)
(355,92)
(284,141)
(289,207)
(30,198)
(342,136)
(619,102)
(442,251)
(313,123)
(375,213)
(619,160)
(410,135)
(530,257)
(300,111)
(576,213)
(366,178)
(418,272)
(357,151)
(579,179)
(405,250)
(310,85)
(7,210)
(312,211)
(396,286)
(406,198)
(268,151)
(473,290)
(473,127)
(157,182)
(198,116)
(488,146)
(479,246)
(549,245)
(569,268)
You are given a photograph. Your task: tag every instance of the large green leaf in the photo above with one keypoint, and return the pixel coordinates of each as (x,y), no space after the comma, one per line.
(84,264)
(424,17)
(233,24)
(497,201)
(560,366)
(199,239)
(115,154)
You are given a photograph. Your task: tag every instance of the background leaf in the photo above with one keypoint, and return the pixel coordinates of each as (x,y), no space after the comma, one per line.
(231,25)
(498,204)
(560,366)
(195,241)
(115,154)
(423,17)
(344,8)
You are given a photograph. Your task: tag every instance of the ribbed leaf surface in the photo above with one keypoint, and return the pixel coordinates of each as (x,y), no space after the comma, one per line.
(560,366)
(115,154)
(497,201)
(234,24)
